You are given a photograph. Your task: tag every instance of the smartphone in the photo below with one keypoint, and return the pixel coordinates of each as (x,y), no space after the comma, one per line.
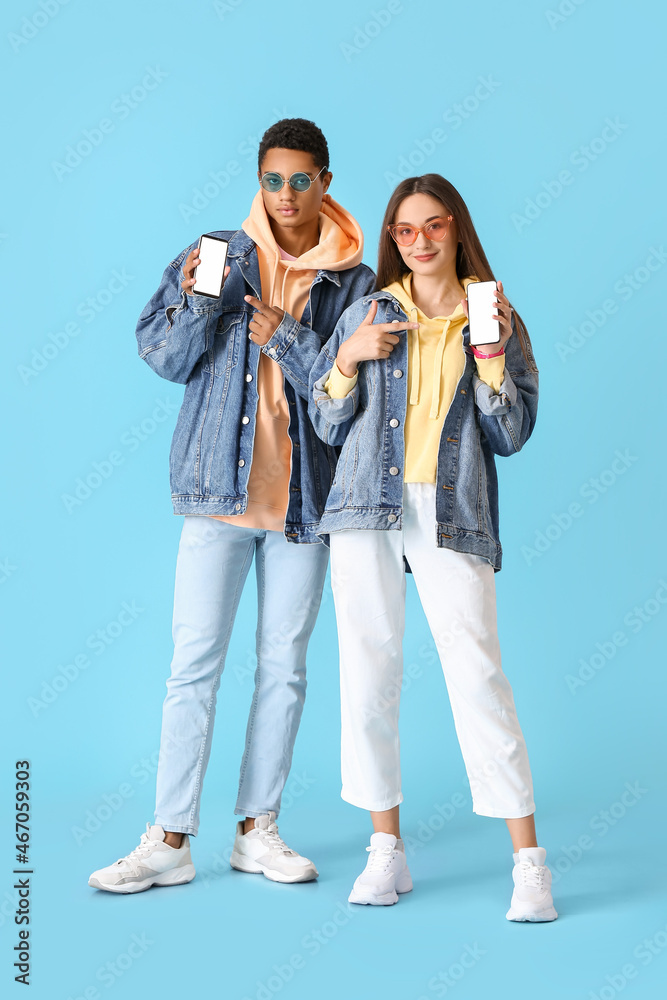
(209,274)
(484,326)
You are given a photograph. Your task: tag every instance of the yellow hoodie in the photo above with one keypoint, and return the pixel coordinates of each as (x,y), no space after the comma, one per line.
(285,284)
(435,364)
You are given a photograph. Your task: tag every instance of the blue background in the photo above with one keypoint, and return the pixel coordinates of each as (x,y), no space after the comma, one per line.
(581,609)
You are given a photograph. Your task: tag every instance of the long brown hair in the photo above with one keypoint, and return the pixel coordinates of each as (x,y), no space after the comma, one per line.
(470,257)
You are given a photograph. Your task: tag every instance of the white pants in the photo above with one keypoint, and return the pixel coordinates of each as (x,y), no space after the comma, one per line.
(457,592)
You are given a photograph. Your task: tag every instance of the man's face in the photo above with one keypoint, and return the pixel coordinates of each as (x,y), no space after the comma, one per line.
(288,208)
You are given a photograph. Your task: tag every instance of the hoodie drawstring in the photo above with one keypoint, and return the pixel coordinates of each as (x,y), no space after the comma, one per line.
(414,360)
(415,369)
(437,372)
(288,267)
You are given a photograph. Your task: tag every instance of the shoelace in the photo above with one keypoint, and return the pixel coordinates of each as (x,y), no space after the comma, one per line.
(379,858)
(532,875)
(140,851)
(271,838)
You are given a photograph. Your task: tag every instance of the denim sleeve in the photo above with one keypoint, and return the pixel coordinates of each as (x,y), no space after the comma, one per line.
(175,329)
(296,347)
(507,417)
(332,418)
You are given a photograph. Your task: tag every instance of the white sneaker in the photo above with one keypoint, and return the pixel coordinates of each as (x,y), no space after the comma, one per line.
(385,875)
(262,850)
(151,863)
(531,899)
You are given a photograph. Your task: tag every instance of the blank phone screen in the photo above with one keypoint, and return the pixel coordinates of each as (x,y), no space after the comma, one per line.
(484,326)
(209,274)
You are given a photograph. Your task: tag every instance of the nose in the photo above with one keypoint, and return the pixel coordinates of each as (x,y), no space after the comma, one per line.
(422,244)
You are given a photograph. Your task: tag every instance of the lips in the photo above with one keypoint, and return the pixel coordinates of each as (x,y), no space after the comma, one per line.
(424,256)
(288,211)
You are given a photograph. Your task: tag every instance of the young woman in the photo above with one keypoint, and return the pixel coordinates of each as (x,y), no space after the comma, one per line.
(420,415)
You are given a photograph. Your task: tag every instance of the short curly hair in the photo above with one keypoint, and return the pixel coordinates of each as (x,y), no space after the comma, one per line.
(295,133)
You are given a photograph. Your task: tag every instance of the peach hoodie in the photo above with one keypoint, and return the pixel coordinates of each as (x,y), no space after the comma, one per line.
(286,285)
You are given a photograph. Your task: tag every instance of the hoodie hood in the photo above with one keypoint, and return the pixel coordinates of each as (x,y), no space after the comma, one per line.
(341,246)
(402,291)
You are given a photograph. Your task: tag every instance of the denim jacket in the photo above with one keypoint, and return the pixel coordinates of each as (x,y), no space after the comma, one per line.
(203,343)
(367,491)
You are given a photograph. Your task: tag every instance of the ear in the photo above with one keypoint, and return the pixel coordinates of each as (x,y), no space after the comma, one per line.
(326,181)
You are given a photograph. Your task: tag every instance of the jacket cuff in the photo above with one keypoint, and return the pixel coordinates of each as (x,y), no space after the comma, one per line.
(282,337)
(493,404)
(491,371)
(334,410)
(338,385)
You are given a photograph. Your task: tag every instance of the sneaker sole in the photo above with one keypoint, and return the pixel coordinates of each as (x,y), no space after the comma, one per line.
(175,876)
(242,864)
(368,899)
(387,899)
(539,916)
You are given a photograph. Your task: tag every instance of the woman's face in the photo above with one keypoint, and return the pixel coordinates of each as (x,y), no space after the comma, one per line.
(424,256)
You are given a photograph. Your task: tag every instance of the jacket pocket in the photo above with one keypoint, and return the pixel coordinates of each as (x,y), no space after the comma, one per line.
(223,353)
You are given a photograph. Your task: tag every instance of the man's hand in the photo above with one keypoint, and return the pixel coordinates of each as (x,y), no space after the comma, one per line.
(191,262)
(265,320)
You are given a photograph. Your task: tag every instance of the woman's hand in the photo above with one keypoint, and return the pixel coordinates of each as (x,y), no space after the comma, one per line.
(191,262)
(504,316)
(369,342)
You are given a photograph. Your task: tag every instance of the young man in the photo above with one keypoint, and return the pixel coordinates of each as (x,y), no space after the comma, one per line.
(251,477)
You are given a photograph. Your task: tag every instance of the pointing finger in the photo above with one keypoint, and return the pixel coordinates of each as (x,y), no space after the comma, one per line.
(257,304)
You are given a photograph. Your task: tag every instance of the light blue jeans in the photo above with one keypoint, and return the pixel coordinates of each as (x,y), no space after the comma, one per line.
(214,558)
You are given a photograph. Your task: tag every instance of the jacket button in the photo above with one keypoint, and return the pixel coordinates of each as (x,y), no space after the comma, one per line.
(393,471)
(241,462)
(391,517)
(398,373)
(238,507)
(246,262)
(248,377)
(245,420)
(393,422)
(272,350)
